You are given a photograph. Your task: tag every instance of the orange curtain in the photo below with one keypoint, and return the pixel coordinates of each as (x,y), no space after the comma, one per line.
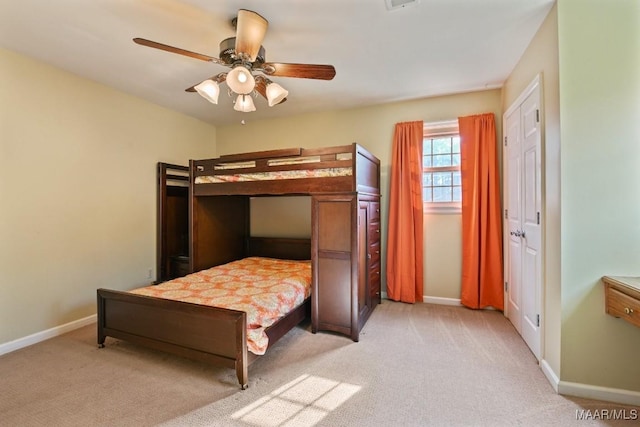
(481,214)
(404,242)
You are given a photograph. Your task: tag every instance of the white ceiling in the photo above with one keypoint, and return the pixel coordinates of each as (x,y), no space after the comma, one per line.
(431,48)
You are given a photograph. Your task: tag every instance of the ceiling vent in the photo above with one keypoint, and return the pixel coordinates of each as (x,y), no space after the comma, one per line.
(399,4)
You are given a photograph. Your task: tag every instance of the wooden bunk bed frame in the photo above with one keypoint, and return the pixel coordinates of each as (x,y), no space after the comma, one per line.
(173,221)
(365,176)
(219,233)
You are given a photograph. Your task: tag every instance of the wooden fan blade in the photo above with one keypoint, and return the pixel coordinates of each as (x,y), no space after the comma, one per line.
(261,88)
(250,31)
(303,71)
(167,48)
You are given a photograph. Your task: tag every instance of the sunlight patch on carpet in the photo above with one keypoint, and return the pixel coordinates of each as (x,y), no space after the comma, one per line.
(304,401)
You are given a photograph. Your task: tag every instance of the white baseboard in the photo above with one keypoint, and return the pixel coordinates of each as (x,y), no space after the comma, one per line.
(45,335)
(435,300)
(442,301)
(588,391)
(550,374)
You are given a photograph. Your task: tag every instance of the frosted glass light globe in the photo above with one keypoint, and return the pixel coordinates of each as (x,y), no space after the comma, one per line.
(240,80)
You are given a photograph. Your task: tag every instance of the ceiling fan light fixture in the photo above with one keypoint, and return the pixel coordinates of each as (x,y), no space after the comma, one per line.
(209,90)
(240,80)
(244,55)
(244,104)
(275,93)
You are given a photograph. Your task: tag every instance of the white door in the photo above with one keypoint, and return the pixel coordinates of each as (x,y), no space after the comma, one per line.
(523,231)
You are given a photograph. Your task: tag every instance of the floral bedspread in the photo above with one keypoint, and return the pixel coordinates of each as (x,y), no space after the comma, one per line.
(265,288)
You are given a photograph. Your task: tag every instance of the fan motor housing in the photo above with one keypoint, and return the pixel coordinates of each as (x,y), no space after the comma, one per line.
(228,52)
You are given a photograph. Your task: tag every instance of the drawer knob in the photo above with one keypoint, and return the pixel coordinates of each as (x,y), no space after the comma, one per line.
(628,310)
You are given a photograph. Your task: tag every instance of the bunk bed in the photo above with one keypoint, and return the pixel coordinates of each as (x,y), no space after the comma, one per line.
(344,185)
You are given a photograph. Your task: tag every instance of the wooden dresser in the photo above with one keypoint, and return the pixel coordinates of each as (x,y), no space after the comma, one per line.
(622,298)
(346,256)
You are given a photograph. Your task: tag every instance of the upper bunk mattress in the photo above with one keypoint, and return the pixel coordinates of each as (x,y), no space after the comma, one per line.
(276,175)
(264,288)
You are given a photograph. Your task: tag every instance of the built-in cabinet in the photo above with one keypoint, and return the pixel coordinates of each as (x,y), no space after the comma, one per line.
(345,246)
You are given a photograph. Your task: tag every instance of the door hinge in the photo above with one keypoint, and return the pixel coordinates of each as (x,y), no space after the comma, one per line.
(506,213)
(538,320)
(505,141)
(538,217)
(506,286)
(537,116)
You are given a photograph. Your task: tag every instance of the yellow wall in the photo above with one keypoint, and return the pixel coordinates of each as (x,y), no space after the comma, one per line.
(373,128)
(599,66)
(442,256)
(287,216)
(77,191)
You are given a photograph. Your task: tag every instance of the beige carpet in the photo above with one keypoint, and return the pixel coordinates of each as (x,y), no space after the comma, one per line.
(415,365)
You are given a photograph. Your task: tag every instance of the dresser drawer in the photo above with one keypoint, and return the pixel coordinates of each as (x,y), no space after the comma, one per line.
(374,283)
(623,306)
(374,272)
(374,231)
(374,211)
(374,252)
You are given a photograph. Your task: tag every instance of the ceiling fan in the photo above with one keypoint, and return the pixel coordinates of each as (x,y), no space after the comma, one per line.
(245,56)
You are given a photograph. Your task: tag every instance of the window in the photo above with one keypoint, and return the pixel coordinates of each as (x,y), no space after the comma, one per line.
(441,181)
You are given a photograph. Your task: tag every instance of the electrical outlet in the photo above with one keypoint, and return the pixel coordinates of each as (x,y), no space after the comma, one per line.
(150,273)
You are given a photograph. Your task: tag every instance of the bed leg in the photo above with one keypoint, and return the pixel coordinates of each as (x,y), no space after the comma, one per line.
(100,330)
(242,372)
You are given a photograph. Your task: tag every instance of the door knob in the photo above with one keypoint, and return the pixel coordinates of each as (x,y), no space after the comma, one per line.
(517,233)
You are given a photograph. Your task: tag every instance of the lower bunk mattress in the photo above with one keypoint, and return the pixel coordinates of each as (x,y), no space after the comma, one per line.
(264,288)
